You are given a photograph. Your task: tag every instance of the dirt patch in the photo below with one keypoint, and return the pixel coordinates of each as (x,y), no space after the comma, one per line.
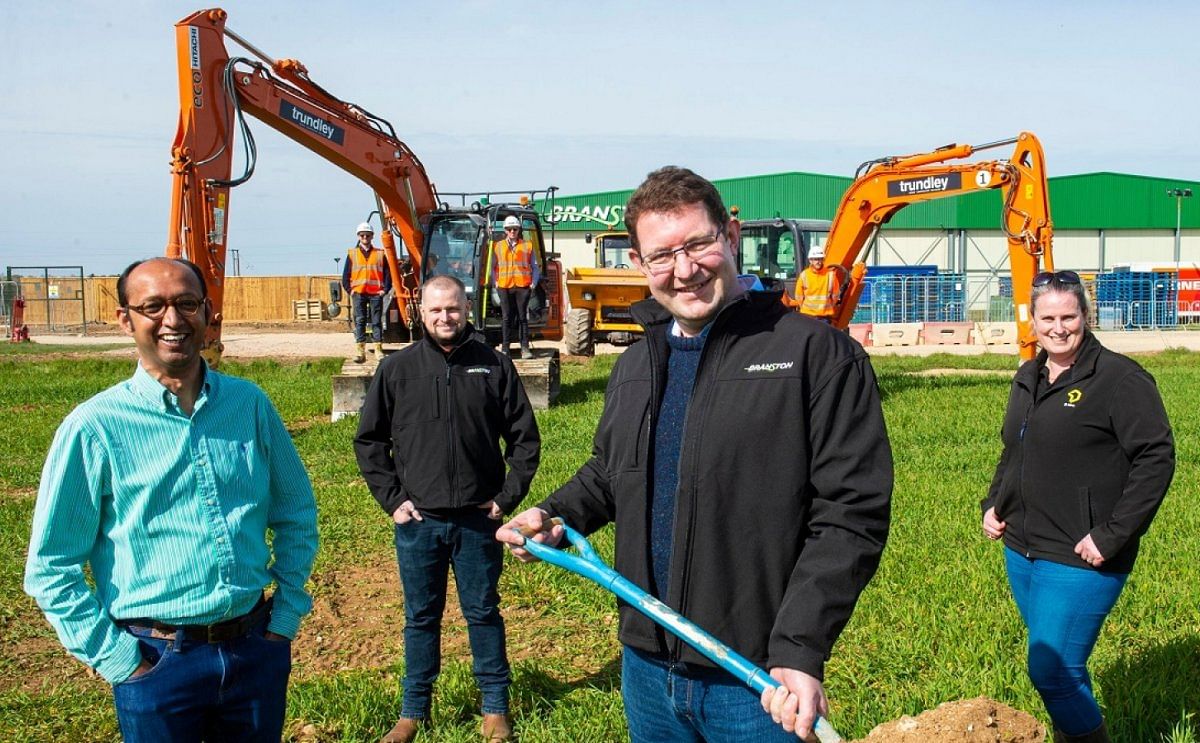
(19,494)
(40,664)
(979,720)
(325,326)
(357,622)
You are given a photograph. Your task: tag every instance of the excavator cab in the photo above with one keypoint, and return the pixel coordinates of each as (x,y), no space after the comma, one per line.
(452,245)
(778,248)
(459,243)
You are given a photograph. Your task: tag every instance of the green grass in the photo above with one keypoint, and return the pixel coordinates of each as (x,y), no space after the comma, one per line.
(936,624)
(42,349)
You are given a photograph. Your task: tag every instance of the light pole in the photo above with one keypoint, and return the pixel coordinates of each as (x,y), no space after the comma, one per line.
(1179,194)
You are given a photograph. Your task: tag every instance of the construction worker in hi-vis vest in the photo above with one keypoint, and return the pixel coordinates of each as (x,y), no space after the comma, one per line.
(819,287)
(367,279)
(516,273)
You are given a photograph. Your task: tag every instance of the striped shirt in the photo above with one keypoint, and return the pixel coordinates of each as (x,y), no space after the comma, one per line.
(171,514)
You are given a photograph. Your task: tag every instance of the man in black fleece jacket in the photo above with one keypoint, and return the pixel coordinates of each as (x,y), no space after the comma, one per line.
(429,447)
(742,454)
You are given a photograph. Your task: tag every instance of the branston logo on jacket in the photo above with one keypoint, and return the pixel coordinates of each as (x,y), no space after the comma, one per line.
(771,367)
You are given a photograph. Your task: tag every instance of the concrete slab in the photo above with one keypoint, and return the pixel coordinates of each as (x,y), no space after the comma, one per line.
(540,375)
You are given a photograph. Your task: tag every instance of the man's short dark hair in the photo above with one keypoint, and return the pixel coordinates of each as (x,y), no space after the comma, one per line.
(670,189)
(123,297)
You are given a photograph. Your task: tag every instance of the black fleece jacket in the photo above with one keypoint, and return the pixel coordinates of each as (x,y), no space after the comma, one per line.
(431,426)
(785,480)
(1092,454)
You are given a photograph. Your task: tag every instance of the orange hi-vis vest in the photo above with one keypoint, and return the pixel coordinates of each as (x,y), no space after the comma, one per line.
(514,265)
(819,291)
(366,270)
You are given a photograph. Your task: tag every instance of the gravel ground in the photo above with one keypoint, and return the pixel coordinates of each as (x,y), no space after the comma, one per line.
(296,340)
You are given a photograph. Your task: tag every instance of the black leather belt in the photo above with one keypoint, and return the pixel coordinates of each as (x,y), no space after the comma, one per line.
(230,629)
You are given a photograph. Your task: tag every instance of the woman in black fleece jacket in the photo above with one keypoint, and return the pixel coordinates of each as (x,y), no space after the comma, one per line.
(1088,456)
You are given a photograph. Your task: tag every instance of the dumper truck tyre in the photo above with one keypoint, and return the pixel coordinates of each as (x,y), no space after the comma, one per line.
(578,333)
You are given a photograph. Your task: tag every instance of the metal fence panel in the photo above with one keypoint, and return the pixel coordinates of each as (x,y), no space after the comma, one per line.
(54,297)
(8,292)
(900,298)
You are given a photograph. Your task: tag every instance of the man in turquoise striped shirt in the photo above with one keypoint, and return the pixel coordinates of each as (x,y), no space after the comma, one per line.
(166,486)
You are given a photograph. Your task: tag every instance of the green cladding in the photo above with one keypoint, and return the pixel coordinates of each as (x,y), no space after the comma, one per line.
(1089,201)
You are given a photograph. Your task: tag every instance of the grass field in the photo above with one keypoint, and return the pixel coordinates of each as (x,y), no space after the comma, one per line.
(937,623)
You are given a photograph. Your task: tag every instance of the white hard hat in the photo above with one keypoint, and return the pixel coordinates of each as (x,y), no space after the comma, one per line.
(511,221)
(366,227)
(817,251)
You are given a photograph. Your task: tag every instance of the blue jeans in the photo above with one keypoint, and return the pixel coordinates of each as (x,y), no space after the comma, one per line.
(665,704)
(425,551)
(368,306)
(228,691)
(1063,608)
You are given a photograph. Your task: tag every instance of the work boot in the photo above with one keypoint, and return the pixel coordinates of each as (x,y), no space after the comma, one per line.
(1099,735)
(404,731)
(361,353)
(378,352)
(525,352)
(496,728)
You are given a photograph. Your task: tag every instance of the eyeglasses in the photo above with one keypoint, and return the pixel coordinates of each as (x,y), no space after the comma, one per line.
(661,261)
(155,309)
(512,229)
(1062,277)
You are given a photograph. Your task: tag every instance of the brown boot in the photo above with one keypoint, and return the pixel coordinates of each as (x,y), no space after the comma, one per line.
(378,352)
(496,728)
(404,731)
(360,353)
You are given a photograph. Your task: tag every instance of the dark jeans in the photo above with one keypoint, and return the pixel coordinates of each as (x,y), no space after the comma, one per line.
(425,551)
(1064,608)
(665,704)
(229,691)
(514,307)
(368,306)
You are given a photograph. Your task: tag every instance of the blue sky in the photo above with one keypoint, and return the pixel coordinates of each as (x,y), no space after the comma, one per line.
(587,96)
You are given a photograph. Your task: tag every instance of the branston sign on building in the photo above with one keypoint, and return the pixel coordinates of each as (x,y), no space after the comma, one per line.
(608,215)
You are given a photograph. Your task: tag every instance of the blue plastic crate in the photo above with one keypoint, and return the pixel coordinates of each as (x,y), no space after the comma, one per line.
(1151,298)
(921,270)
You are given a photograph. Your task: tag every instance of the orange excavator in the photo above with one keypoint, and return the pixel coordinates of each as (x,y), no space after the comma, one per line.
(883,187)
(216,91)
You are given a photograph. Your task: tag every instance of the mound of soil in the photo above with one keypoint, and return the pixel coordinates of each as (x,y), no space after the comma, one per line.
(979,720)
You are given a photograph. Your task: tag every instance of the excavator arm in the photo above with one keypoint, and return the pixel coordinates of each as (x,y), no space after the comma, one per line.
(215,93)
(884,187)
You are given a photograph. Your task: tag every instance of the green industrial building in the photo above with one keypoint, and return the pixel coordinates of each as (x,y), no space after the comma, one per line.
(1101,220)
